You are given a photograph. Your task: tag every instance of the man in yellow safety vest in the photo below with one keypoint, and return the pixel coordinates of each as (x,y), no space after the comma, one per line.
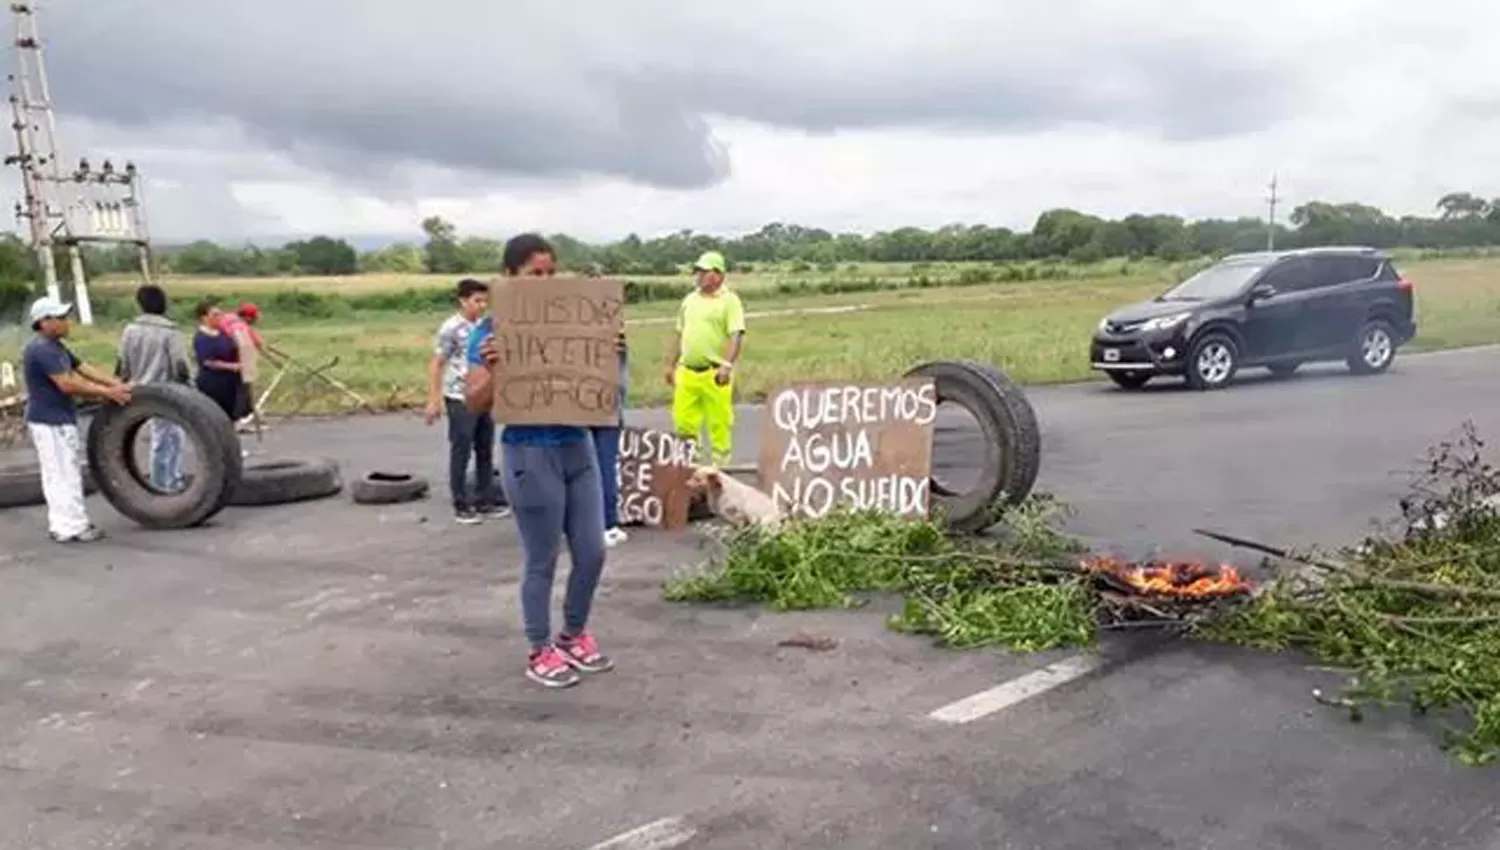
(709,337)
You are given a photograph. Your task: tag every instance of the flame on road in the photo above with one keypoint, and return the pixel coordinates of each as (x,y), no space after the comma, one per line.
(1169,579)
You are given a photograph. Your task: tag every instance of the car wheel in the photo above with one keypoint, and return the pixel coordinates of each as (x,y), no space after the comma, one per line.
(1374,349)
(1285,369)
(1130,380)
(1212,362)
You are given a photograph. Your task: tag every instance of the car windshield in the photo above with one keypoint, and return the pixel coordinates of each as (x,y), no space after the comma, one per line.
(1216,281)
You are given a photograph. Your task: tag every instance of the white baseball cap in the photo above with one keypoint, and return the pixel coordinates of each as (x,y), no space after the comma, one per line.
(49,308)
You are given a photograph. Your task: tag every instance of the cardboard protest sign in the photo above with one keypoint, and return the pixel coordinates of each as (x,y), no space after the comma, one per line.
(868,446)
(653,472)
(558,363)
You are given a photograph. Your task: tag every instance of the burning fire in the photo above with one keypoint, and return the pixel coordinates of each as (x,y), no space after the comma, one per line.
(1178,580)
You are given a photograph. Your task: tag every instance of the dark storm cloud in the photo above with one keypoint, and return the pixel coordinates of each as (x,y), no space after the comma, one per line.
(550,89)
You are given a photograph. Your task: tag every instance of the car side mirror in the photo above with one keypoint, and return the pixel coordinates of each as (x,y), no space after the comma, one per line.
(1261,291)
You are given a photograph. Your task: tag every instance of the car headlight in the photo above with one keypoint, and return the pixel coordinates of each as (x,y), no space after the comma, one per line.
(1104,324)
(1161,323)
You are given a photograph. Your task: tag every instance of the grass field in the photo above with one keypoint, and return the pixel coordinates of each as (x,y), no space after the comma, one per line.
(1036,330)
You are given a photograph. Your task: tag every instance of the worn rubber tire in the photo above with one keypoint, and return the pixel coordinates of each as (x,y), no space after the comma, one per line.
(21,484)
(1012,441)
(1028,451)
(388,488)
(287,480)
(111,440)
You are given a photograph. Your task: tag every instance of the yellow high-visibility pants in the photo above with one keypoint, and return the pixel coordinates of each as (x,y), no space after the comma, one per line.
(698,401)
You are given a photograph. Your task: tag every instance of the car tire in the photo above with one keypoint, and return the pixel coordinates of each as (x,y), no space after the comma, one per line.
(1285,369)
(21,484)
(280,482)
(1212,361)
(388,488)
(110,444)
(1130,380)
(1374,348)
(1012,440)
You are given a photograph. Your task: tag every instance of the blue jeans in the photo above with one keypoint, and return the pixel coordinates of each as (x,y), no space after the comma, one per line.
(166,456)
(470,434)
(607,449)
(554,493)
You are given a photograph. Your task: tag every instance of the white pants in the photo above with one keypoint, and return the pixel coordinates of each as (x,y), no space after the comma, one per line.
(59,452)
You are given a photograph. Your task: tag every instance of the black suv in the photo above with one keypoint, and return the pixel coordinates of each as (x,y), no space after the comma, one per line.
(1273,309)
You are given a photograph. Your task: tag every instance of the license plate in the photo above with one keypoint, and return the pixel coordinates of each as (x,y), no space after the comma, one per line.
(1111,355)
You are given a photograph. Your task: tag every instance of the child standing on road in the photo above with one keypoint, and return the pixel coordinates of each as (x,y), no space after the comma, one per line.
(469,433)
(551,476)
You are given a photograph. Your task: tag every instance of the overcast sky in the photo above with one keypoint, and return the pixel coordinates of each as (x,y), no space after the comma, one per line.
(280,117)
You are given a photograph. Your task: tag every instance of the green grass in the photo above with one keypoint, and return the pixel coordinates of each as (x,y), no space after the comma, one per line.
(1037,330)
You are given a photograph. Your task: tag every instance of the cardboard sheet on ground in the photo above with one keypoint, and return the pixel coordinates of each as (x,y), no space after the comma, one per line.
(558,363)
(866,446)
(654,468)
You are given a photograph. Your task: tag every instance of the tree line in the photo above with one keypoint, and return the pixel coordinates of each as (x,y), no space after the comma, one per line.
(1461,219)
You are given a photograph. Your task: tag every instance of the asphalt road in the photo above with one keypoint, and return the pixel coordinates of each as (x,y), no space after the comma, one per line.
(330,677)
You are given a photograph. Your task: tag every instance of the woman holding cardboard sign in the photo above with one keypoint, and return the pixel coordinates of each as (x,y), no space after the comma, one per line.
(551,476)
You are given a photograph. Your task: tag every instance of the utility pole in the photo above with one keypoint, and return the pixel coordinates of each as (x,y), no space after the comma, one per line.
(1271,217)
(65,209)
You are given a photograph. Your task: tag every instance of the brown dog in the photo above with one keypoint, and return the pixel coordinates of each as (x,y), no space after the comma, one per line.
(733,500)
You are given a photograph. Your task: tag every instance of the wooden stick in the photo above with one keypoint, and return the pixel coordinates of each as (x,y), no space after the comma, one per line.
(271,388)
(1273,551)
(321,374)
(1423,587)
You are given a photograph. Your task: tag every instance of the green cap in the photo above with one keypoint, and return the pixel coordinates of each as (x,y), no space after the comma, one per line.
(711,261)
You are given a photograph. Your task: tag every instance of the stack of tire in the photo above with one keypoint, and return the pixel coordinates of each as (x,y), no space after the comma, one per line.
(112,460)
(220,477)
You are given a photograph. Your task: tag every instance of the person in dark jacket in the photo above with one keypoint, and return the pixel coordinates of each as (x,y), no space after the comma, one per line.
(218,359)
(152,352)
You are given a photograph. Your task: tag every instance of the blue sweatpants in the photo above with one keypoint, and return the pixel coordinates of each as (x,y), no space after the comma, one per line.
(554,493)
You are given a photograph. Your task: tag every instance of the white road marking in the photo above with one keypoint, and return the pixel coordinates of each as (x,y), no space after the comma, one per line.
(1004,696)
(657,835)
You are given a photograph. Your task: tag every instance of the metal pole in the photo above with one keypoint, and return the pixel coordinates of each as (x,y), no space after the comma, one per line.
(65,191)
(26,102)
(1271,218)
(35,207)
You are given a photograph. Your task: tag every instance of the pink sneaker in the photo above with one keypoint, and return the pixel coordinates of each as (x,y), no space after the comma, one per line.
(582,651)
(550,668)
